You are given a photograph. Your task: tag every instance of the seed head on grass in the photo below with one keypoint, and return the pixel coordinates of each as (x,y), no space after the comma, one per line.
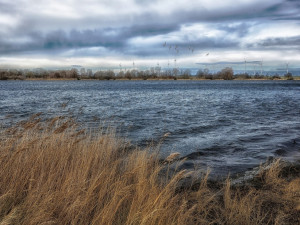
(172,157)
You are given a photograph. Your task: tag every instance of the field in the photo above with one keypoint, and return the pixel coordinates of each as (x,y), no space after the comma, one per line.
(54,172)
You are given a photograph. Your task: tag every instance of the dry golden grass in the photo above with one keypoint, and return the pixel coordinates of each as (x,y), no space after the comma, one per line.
(54,173)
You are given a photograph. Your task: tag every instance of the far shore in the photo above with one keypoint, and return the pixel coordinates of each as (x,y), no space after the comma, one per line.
(296,78)
(134,74)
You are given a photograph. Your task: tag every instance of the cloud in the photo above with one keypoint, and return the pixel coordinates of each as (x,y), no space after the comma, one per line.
(284,10)
(117,28)
(240,29)
(281,42)
(59,39)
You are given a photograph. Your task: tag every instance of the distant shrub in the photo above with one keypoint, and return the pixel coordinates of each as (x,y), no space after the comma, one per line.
(242,76)
(289,76)
(200,74)
(128,75)
(209,77)
(275,77)
(226,73)
(185,74)
(257,76)
(3,75)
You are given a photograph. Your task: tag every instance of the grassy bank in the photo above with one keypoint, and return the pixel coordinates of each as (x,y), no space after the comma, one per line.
(54,173)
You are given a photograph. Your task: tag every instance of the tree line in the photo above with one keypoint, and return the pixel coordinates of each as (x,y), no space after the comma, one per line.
(152,73)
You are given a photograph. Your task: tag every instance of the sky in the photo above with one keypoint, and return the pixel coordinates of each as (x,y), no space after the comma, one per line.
(145,33)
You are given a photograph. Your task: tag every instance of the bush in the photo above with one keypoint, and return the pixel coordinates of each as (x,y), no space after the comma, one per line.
(227,73)
(185,74)
(275,77)
(289,76)
(200,74)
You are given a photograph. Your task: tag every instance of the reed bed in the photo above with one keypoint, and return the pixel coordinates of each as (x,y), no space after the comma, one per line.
(53,172)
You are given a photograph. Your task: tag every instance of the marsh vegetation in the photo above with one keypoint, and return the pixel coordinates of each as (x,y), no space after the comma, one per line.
(157,73)
(55,172)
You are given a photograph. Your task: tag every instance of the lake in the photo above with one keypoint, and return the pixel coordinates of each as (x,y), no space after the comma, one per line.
(229,126)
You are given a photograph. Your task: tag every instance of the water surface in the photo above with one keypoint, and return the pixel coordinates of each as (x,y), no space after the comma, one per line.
(229,126)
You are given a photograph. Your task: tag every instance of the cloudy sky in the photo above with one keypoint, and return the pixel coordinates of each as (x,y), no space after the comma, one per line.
(107,33)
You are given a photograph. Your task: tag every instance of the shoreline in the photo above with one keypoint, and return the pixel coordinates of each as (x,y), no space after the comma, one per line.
(296,78)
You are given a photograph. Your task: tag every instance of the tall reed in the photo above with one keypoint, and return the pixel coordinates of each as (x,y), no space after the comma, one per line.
(54,173)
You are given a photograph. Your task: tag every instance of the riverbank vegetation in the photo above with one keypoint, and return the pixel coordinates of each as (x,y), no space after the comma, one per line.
(134,74)
(55,172)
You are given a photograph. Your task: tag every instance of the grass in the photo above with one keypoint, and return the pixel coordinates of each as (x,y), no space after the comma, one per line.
(54,173)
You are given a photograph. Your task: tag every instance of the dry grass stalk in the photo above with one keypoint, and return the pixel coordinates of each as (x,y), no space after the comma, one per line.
(52,173)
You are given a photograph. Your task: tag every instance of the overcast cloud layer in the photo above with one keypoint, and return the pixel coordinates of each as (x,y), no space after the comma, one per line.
(109,32)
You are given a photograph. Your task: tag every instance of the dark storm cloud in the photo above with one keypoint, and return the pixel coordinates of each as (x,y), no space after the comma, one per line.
(62,40)
(77,39)
(108,38)
(285,10)
(281,42)
(257,11)
(149,30)
(6,8)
